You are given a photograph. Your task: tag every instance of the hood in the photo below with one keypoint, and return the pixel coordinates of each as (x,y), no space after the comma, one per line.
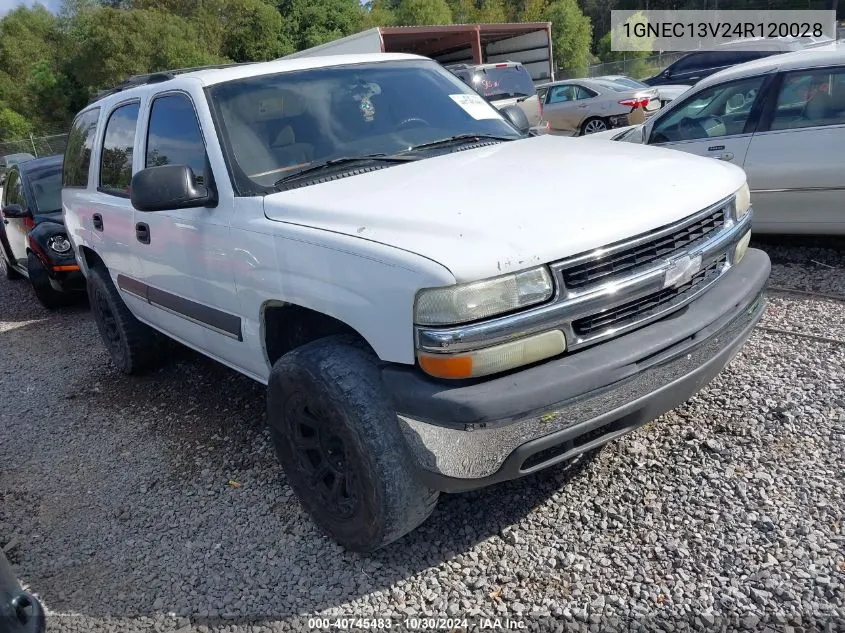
(513,205)
(672,91)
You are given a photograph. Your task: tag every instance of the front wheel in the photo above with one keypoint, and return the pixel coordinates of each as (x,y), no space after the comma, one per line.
(593,125)
(133,346)
(39,277)
(339,442)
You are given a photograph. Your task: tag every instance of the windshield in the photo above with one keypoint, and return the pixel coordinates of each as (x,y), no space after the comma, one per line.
(47,189)
(507,82)
(275,125)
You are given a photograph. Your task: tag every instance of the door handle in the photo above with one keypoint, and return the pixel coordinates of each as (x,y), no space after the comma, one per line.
(97,220)
(142,232)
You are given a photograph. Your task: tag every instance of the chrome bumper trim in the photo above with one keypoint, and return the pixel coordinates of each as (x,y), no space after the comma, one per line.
(569,306)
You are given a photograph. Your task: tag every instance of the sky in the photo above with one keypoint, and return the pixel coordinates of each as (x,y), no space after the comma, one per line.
(8,5)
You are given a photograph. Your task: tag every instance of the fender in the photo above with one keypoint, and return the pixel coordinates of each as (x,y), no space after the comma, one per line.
(38,240)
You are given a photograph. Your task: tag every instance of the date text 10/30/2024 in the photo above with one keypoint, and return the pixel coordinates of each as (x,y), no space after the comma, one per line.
(416,624)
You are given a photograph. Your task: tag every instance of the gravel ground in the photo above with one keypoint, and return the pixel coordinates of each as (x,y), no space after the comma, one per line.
(156,504)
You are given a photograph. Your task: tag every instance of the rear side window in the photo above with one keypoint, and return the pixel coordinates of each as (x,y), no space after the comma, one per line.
(174,136)
(78,153)
(116,158)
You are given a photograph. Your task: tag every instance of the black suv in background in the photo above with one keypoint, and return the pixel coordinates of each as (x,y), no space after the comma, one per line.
(694,67)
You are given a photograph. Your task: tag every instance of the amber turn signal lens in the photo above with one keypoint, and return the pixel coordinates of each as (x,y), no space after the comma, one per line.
(446,366)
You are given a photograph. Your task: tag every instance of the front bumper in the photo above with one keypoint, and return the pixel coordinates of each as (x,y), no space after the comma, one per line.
(67,281)
(478,433)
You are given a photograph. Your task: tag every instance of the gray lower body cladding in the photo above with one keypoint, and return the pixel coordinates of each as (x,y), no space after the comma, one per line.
(475,434)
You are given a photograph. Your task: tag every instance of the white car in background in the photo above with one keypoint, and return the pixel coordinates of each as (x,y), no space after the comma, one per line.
(664,93)
(782,119)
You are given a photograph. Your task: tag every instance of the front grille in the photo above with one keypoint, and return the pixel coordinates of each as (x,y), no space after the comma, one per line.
(627,259)
(642,308)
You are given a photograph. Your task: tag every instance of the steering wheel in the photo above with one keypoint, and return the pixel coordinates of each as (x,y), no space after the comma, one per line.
(414,119)
(689,129)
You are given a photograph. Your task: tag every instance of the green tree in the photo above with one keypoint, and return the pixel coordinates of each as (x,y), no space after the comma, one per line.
(532,11)
(308,23)
(571,36)
(423,12)
(111,44)
(378,13)
(253,32)
(13,126)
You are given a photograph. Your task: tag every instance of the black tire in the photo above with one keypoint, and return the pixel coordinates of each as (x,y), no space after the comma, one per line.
(133,346)
(339,442)
(11,273)
(594,120)
(39,277)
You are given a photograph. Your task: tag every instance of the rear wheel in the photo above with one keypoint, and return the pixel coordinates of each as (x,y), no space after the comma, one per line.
(338,439)
(133,346)
(593,125)
(39,277)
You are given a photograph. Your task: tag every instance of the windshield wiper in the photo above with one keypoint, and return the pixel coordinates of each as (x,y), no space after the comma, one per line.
(457,138)
(344,160)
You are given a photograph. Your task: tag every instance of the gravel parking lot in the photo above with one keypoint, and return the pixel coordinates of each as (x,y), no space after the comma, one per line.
(156,503)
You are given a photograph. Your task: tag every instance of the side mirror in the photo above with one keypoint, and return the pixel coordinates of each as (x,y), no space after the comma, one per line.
(16,211)
(169,187)
(516,117)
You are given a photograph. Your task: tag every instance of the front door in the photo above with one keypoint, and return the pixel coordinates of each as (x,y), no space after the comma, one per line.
(717,122)
(185,254)
(566,107)
(16,228)
(796,162)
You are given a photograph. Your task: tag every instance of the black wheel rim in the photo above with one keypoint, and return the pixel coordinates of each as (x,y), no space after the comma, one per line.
(323,456)
(108,323)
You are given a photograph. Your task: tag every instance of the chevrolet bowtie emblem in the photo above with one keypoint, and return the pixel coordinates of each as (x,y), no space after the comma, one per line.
(681,270)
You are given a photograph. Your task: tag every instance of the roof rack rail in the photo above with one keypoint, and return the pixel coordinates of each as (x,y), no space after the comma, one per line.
(156,77)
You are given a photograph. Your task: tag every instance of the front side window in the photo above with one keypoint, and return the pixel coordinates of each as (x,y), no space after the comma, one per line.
(275,125)
(80,142)
(174,137)
(810,99)
(721,110)
(562,94)
(116,158)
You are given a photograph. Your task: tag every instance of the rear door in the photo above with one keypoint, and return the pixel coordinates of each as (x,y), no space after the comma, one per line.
(112,216)
(796,161)
(717,122)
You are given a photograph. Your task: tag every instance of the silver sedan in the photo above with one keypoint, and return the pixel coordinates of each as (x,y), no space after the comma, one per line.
(585,106)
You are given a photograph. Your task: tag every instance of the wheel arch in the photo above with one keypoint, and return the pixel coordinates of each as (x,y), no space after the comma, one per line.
(286,326)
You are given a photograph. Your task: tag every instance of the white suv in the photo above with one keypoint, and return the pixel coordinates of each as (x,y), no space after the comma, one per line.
(355,233)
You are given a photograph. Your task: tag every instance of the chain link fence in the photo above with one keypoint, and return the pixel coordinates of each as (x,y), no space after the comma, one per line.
(636,68)
(38,146)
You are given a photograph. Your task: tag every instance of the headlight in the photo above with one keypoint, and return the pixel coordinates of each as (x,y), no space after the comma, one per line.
(462,303)
(59,243)
(743,201)
(495,359)
(741,247)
